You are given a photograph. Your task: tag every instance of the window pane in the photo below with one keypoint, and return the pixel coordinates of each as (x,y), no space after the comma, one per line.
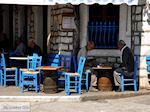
(103,28)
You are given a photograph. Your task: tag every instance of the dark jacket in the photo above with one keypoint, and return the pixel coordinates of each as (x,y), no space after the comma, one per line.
(128,59)
(36,49)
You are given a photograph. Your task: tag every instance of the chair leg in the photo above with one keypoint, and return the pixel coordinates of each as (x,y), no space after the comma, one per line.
(68,85)
(22,78)
(16,77)
(20,74)
(87,80)
(76,86)
(135,85)
(79,87)
(35,83)
(4,80)
(0,78)
(122,83)
(87,86)
(39,81)
(66,82)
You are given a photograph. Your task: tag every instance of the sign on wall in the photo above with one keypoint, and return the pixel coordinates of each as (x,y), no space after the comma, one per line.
(68,22)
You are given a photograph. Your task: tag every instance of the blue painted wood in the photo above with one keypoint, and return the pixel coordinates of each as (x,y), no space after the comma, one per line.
(109,34)
(32,63)
(53,60)
(148,63)
(92,29)
(104,39)
(131,81)
(100,37)
(77,78)
(103,34)
(113,34)
(28,78)
(96,32)
(8,75)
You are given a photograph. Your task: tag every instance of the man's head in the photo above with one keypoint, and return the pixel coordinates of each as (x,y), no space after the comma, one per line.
(31,43)
(90,45)
(121,44)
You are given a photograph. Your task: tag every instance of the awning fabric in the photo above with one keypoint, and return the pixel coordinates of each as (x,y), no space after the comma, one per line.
(75,2)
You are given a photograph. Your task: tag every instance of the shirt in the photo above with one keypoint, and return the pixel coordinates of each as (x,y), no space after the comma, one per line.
(20,50)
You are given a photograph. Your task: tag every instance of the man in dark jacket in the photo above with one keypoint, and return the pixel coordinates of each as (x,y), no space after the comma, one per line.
(126,66)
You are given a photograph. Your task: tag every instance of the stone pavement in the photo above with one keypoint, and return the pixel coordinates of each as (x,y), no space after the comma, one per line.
(12,93)
(130,104)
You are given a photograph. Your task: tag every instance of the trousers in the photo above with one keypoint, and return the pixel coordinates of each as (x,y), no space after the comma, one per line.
(117,76)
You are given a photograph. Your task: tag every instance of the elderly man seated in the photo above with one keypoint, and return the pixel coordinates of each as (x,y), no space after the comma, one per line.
(126,66)
(84,52)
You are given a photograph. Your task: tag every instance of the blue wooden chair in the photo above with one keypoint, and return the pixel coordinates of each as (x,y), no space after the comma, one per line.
(30,77)
(65,61)
(130,81)
(39,62)
(1,74)
(8,74)
(85,80)
(76,83)
(1,77)
(148,63)
(53,60)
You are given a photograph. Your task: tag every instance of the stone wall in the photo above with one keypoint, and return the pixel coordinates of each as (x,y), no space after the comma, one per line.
(61,40)
(140,30)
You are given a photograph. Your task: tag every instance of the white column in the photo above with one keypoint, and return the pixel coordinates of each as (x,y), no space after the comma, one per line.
(84,18)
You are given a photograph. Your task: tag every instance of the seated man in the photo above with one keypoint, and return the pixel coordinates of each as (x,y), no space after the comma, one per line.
(33,48)
(21,48)
(84,52)
(126,66)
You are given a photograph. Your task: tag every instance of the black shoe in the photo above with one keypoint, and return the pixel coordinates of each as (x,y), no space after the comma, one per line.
(118,90)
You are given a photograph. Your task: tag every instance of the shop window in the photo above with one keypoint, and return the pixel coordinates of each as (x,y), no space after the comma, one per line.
(103,26)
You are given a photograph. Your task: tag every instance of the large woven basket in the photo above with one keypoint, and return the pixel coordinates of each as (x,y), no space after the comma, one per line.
(105,84)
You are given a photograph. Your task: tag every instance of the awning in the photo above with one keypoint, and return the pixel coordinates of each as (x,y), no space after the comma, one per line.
(75,2)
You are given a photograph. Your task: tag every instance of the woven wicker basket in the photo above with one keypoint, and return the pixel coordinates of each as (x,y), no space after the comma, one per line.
(104,84)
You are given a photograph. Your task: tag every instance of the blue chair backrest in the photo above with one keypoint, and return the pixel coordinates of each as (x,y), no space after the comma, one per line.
(31,62)
(65,61)
(53,60)
(135,65)
(81,65)
(39,60)
(3,63)
(148,63)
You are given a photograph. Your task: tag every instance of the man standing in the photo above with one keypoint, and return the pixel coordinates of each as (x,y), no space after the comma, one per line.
(84,52)
(127,64)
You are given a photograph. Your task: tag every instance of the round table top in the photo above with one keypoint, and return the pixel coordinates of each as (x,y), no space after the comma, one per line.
(102,68)
(18,58)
